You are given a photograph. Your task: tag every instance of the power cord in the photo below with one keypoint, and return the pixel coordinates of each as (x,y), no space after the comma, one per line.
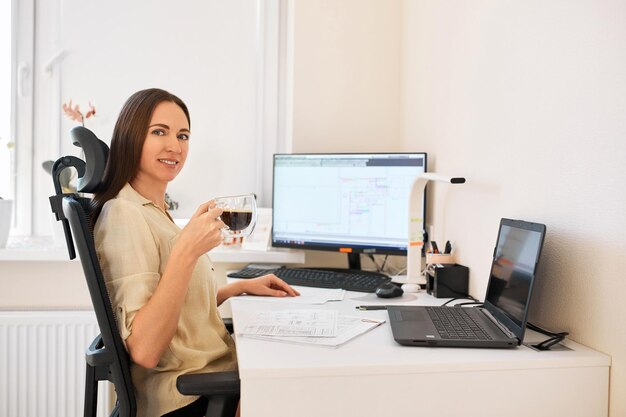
(400,271)
(469,303)
(390,266)
(551,341)
(380,268)
(468,297)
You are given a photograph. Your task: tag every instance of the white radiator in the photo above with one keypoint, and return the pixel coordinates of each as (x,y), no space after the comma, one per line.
(42,363)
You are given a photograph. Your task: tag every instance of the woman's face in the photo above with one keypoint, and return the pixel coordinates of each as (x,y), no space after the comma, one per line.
(166,145)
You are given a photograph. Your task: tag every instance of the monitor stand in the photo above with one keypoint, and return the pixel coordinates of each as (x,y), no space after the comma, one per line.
(354,261)
(354,266)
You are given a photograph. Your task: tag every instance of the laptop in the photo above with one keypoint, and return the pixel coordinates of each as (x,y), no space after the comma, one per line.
(501,321)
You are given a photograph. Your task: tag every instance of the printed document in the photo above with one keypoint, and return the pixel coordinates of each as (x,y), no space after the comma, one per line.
(348,327)
(292,323)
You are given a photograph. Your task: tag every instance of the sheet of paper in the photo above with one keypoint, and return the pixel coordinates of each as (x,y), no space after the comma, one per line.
(292,323)
(348,327)
(308,295)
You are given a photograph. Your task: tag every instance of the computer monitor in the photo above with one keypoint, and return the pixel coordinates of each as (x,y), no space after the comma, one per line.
(352,203)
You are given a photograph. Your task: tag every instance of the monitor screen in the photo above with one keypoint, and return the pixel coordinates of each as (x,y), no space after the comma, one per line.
(350,203)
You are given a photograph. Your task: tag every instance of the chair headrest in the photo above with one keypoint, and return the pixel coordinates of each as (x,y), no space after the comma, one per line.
(90,172)
(96,153)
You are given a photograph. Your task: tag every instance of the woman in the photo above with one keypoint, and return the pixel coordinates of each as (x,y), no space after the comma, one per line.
(161,284)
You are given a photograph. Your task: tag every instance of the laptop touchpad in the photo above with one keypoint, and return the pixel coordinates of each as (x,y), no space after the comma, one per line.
(410,315)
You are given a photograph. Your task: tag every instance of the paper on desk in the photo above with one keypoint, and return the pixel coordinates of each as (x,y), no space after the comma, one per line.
(308,295)
(292,323)
(348,327)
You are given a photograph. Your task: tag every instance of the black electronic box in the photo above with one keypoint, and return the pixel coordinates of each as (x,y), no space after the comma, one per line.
(447,280)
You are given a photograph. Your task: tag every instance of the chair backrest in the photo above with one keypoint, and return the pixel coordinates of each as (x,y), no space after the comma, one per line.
(109,357)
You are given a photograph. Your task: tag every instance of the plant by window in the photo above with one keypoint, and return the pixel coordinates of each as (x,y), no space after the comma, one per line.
(75,114)
(172,205)
(67,176)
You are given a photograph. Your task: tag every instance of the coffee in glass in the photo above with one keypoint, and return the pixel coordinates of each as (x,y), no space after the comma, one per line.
(239,214)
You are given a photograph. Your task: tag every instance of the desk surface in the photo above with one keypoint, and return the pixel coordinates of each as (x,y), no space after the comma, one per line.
(375,363)
(376,351)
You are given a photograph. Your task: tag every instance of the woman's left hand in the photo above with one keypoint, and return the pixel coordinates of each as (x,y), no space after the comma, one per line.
(269,285)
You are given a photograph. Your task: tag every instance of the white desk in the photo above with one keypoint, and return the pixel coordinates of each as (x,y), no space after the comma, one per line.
(373,376)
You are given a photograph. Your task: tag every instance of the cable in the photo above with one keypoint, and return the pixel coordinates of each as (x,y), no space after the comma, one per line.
(536,328)
(551,341)
(378,268)
(468,297)
(469,303)
(382,267)
(399,272)
(451,300)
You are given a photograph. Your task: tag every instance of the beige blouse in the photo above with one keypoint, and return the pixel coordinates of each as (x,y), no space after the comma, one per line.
(134,239)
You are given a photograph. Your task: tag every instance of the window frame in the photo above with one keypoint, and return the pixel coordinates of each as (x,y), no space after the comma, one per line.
(22,97)
(274,90)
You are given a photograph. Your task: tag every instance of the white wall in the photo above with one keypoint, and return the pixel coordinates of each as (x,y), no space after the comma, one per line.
(528,101)
(346,76)
(346,83)
(43,286)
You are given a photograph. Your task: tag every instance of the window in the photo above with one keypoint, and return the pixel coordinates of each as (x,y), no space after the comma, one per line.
(221,60)
(5,100)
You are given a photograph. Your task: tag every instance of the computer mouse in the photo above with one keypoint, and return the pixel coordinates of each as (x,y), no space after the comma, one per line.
(388,290)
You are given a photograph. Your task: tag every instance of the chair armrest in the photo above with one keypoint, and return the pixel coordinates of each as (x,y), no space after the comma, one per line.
(97,355)
(208,384)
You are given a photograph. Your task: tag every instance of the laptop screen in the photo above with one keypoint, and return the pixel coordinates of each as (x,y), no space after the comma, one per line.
(513,270)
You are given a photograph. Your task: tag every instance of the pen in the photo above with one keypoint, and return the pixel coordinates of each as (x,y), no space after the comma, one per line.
(363,308)
(448,247)
(433,245)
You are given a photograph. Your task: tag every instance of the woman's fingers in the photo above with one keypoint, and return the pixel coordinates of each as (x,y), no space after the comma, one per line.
(203,208)
(215,213)
(269,285)
(278,284)
(204,230)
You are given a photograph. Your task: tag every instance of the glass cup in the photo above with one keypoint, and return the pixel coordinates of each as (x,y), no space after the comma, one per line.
(239,214)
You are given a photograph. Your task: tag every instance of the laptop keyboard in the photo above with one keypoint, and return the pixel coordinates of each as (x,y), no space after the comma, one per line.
(456,323)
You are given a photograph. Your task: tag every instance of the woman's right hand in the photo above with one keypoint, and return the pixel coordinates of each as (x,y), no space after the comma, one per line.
(204,230)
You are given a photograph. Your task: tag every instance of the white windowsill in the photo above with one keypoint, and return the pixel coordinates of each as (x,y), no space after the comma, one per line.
(34,249)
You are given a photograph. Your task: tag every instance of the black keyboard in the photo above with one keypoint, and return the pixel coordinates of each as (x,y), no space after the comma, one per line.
(351,280)
(456,323)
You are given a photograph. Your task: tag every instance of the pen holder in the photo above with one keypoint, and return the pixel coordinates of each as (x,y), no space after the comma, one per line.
(439,258)
(447,280)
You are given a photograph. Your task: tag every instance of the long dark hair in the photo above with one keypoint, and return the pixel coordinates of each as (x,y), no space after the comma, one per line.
(127,141)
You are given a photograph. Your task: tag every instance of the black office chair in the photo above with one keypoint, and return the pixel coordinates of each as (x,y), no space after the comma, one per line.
(106,357)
